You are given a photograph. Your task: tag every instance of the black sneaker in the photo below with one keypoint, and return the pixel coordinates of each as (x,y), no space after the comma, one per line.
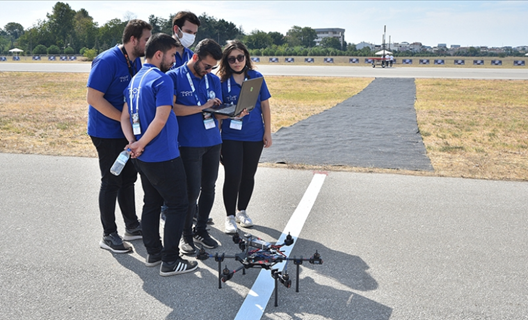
(114,243)
(179,266)
(187,245)
(205,239)
(153,260)
(133,234)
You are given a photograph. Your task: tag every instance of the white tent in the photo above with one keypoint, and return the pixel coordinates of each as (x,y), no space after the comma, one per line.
(383,52)
(526,54)
(16,50)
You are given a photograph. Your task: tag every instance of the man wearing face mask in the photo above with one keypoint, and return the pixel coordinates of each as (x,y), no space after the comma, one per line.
(184,27)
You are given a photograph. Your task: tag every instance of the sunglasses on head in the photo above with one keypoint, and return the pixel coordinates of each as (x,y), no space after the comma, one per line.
(240,58)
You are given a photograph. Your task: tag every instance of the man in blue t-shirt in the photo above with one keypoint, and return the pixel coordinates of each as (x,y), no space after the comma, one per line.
(196,88)
(184,27)
(110,74)
(150,126)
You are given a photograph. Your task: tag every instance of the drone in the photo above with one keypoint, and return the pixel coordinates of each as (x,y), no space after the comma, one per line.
(257,253)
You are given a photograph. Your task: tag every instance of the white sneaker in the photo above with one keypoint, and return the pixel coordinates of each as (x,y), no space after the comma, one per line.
(230,225)
(243,219)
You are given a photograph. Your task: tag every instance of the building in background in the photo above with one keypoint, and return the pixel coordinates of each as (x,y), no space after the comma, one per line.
(330,32)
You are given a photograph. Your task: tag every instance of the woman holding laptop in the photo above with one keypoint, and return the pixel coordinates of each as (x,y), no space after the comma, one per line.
(242,138)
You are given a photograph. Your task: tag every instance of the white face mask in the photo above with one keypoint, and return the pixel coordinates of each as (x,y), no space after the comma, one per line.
(187,39)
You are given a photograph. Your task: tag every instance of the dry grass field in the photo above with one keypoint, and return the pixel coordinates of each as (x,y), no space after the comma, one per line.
(471,128)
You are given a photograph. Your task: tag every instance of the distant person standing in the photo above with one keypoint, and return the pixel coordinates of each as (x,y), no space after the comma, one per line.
(196,88)
(110,74)
(391,59)
(151,127)
(242,139)
(184,27)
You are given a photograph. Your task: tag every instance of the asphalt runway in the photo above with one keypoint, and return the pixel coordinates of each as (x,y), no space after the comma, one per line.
(393,246)
(321,71)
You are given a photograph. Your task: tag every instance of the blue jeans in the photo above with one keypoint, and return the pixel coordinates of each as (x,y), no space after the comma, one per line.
(112,187)
(163,182)
(201,168)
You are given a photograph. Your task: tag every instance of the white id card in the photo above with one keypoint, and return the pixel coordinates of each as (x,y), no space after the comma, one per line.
(236,124)
(209,123)
(135,124)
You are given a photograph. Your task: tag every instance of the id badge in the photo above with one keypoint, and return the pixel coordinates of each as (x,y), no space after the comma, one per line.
(209,123)
(135,124)
(235,124)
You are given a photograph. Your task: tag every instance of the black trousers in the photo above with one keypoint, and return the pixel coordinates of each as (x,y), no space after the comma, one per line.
(240,160)
(115,187)
(163,182)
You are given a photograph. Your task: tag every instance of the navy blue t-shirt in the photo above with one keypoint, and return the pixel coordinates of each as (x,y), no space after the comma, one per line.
(110,75)
(180,61)
(252,124)
(156,89)
(192,129)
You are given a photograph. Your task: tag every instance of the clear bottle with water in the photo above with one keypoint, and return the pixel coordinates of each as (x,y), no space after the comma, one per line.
(120,162)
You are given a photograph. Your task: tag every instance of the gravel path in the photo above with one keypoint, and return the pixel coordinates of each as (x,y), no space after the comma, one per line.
(376,128)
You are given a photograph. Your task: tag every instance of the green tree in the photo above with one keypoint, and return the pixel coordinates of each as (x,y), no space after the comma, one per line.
(298,36)
(14,30)
(258,40)
(39,33)
(111,33)
(69,50)
(277,38)
(40,49)
(61,23)
(85,30)
(219,30)
(331,42)
(160,25)
(53,49)
(90,54)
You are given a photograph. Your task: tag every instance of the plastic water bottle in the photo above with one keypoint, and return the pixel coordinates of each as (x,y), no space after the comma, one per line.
(120,162)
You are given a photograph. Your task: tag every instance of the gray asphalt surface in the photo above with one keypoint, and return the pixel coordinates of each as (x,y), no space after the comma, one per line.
(319,71)
(376,128)
(393,246)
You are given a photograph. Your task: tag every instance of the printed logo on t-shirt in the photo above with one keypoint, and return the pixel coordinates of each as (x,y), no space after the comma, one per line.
(232,98)
(123,78)
(186,93)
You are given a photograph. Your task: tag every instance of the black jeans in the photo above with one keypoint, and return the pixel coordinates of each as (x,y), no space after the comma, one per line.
(163,182)
(240,160)
(201,168)
(112,187)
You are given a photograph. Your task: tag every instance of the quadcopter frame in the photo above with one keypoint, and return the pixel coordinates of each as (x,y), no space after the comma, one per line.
(257,253)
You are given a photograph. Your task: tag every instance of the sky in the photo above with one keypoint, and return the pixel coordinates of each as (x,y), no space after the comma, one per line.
(464,23)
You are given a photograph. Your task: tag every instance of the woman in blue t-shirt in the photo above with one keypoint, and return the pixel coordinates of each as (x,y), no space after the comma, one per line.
(242,138)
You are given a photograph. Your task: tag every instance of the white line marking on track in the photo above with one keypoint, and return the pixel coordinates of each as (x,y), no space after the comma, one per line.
(259,295)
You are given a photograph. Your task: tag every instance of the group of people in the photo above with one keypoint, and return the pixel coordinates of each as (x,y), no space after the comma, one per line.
(155,110)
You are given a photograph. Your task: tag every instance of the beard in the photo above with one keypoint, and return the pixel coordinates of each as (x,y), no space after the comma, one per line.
(165,66)
(197,69)
(138,52)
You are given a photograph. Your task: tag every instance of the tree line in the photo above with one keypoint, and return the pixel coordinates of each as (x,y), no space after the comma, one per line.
(66,31)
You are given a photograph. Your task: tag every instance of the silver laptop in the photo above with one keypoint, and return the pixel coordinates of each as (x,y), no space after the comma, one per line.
(248,98)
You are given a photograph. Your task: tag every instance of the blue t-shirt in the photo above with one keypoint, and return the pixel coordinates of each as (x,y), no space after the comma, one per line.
(180,61)
(252,124)
(192,129)
(110,75)
(156,90)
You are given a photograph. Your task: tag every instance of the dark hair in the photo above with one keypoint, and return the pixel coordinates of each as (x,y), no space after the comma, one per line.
(208,47)
(182,16)
(159,42)
(134,28)
(225,70)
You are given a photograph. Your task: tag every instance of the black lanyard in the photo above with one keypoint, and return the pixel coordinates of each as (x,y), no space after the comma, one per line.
(130,70)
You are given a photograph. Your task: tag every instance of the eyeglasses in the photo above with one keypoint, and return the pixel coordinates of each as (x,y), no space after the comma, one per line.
(208,66)
(239,58)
